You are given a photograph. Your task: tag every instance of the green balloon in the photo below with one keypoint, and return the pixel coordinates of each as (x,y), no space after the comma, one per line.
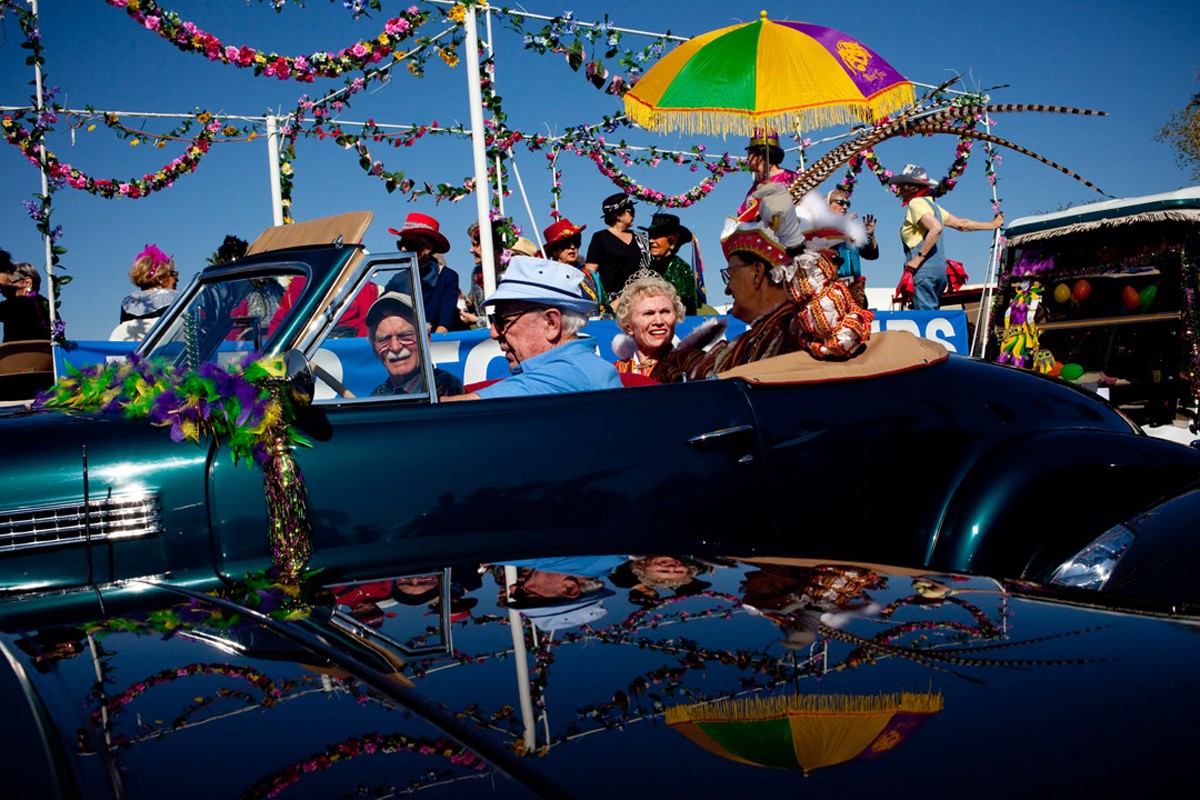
(1146,297)
(1071,372)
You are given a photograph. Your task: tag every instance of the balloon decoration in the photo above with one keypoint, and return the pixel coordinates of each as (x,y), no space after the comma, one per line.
(1055,369)
(1081,291)
(1130,299)
(1071,372)
(1062,293)
(1146,296)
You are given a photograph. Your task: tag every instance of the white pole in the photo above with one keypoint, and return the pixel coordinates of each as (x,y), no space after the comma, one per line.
(46,241)
(479,157)
(273,168)
(983,317)
(524,697)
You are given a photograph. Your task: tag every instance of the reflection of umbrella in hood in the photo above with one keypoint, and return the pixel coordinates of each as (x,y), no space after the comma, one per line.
(766,74)
(804,731)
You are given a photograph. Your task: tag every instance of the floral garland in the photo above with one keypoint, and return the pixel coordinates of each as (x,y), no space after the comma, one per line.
(258,680)
(565,35)
(133,188)
(357,8)
(189,38)
(276,783)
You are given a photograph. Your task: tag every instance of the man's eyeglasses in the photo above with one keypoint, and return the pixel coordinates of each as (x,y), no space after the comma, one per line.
(403,339)
(503,322)
(837,201)
(725,272)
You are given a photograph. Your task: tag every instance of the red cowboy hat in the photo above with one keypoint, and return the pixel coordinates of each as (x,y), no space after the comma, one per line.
(560,230)
(422,226)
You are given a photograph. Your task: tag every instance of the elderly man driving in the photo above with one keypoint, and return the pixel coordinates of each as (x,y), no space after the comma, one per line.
(537,311)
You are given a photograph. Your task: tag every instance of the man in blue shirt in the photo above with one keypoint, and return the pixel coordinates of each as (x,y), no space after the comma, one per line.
(537,311)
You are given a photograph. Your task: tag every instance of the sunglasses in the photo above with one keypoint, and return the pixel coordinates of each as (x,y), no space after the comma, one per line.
(842,203)
(502,322)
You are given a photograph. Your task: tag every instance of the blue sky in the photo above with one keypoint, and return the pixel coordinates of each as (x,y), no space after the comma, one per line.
(1136,61)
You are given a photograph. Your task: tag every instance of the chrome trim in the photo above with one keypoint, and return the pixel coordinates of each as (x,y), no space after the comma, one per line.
(128,516)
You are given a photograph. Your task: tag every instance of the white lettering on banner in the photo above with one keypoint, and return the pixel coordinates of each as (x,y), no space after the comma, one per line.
(940,329)
(478,359)
(937,329)
(444,351)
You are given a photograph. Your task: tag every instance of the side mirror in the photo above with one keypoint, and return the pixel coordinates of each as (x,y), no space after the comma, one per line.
(300,378)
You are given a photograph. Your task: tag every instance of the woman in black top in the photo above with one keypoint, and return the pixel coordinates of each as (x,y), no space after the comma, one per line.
(617,251)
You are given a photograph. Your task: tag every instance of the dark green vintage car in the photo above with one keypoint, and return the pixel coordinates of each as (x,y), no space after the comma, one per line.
(926,461)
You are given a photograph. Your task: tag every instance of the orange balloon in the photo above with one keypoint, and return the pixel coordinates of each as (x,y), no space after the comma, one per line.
(1130,300)
(1082,291)
(1057,368)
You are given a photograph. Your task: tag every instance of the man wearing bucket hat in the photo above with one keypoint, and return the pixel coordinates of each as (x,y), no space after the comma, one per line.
(921,231)
(666,236)
(421,234)
(537,311)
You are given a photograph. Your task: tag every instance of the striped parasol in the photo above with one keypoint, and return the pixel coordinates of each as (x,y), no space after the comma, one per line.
(765,74)
(804,732)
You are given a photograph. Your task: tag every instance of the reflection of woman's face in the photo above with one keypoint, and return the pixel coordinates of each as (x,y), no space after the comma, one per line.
(417,585)
(652,323)
(395,345)
(664,568)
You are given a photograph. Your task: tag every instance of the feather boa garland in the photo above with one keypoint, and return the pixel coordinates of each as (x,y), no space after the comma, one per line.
(247,408)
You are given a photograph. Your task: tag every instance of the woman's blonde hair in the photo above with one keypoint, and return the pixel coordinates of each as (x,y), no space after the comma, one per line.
(646,283)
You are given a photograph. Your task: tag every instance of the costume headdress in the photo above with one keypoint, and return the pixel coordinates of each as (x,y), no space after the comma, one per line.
(157,258)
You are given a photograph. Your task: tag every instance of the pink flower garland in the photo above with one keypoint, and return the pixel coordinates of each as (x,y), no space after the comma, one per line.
(132,188)
(191,39)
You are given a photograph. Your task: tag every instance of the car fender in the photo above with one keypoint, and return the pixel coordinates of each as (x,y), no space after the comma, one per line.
(1028,502)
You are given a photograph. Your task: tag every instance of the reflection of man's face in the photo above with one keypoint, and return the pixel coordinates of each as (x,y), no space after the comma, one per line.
(546,585)
(395,346)
(415,585)
(664,568)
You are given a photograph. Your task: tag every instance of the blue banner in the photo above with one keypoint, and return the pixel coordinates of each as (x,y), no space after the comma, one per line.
(472,355)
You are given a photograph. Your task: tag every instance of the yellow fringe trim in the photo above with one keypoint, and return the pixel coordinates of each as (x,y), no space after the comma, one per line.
(723,122)
(757,709)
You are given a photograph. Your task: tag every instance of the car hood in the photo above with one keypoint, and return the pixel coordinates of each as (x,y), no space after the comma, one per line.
(713,672)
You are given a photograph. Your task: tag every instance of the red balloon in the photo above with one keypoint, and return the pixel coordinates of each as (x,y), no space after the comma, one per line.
(1056,369)
(1082,291)
(1130,300)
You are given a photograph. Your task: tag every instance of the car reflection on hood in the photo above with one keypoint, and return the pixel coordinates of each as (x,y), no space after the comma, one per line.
(657,673)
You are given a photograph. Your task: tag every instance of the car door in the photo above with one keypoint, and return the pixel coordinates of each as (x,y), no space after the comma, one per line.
(404,470)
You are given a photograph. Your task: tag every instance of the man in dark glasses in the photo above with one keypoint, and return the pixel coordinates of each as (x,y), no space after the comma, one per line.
(535,316)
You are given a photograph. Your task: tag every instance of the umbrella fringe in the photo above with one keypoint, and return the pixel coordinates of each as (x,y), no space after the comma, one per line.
(757,709)
(723,122)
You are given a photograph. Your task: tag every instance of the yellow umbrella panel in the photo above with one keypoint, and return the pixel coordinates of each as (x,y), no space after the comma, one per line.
(804,732)
(766,74)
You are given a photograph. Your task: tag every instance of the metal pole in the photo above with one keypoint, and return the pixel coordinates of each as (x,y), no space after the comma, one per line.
(273,168)
(46,240)
(983,317)
(479,156)
(522,664)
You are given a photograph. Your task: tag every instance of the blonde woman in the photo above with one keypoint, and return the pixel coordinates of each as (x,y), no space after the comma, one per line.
(647,312)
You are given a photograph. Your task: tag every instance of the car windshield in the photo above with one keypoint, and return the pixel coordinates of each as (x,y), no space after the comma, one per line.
(224,319)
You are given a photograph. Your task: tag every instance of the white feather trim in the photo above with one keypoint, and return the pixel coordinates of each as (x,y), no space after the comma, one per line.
(623,346)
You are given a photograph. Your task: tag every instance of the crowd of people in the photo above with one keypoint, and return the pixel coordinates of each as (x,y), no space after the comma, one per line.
(793,273)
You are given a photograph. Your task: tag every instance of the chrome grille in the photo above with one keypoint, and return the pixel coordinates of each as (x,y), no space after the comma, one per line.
(112,518)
